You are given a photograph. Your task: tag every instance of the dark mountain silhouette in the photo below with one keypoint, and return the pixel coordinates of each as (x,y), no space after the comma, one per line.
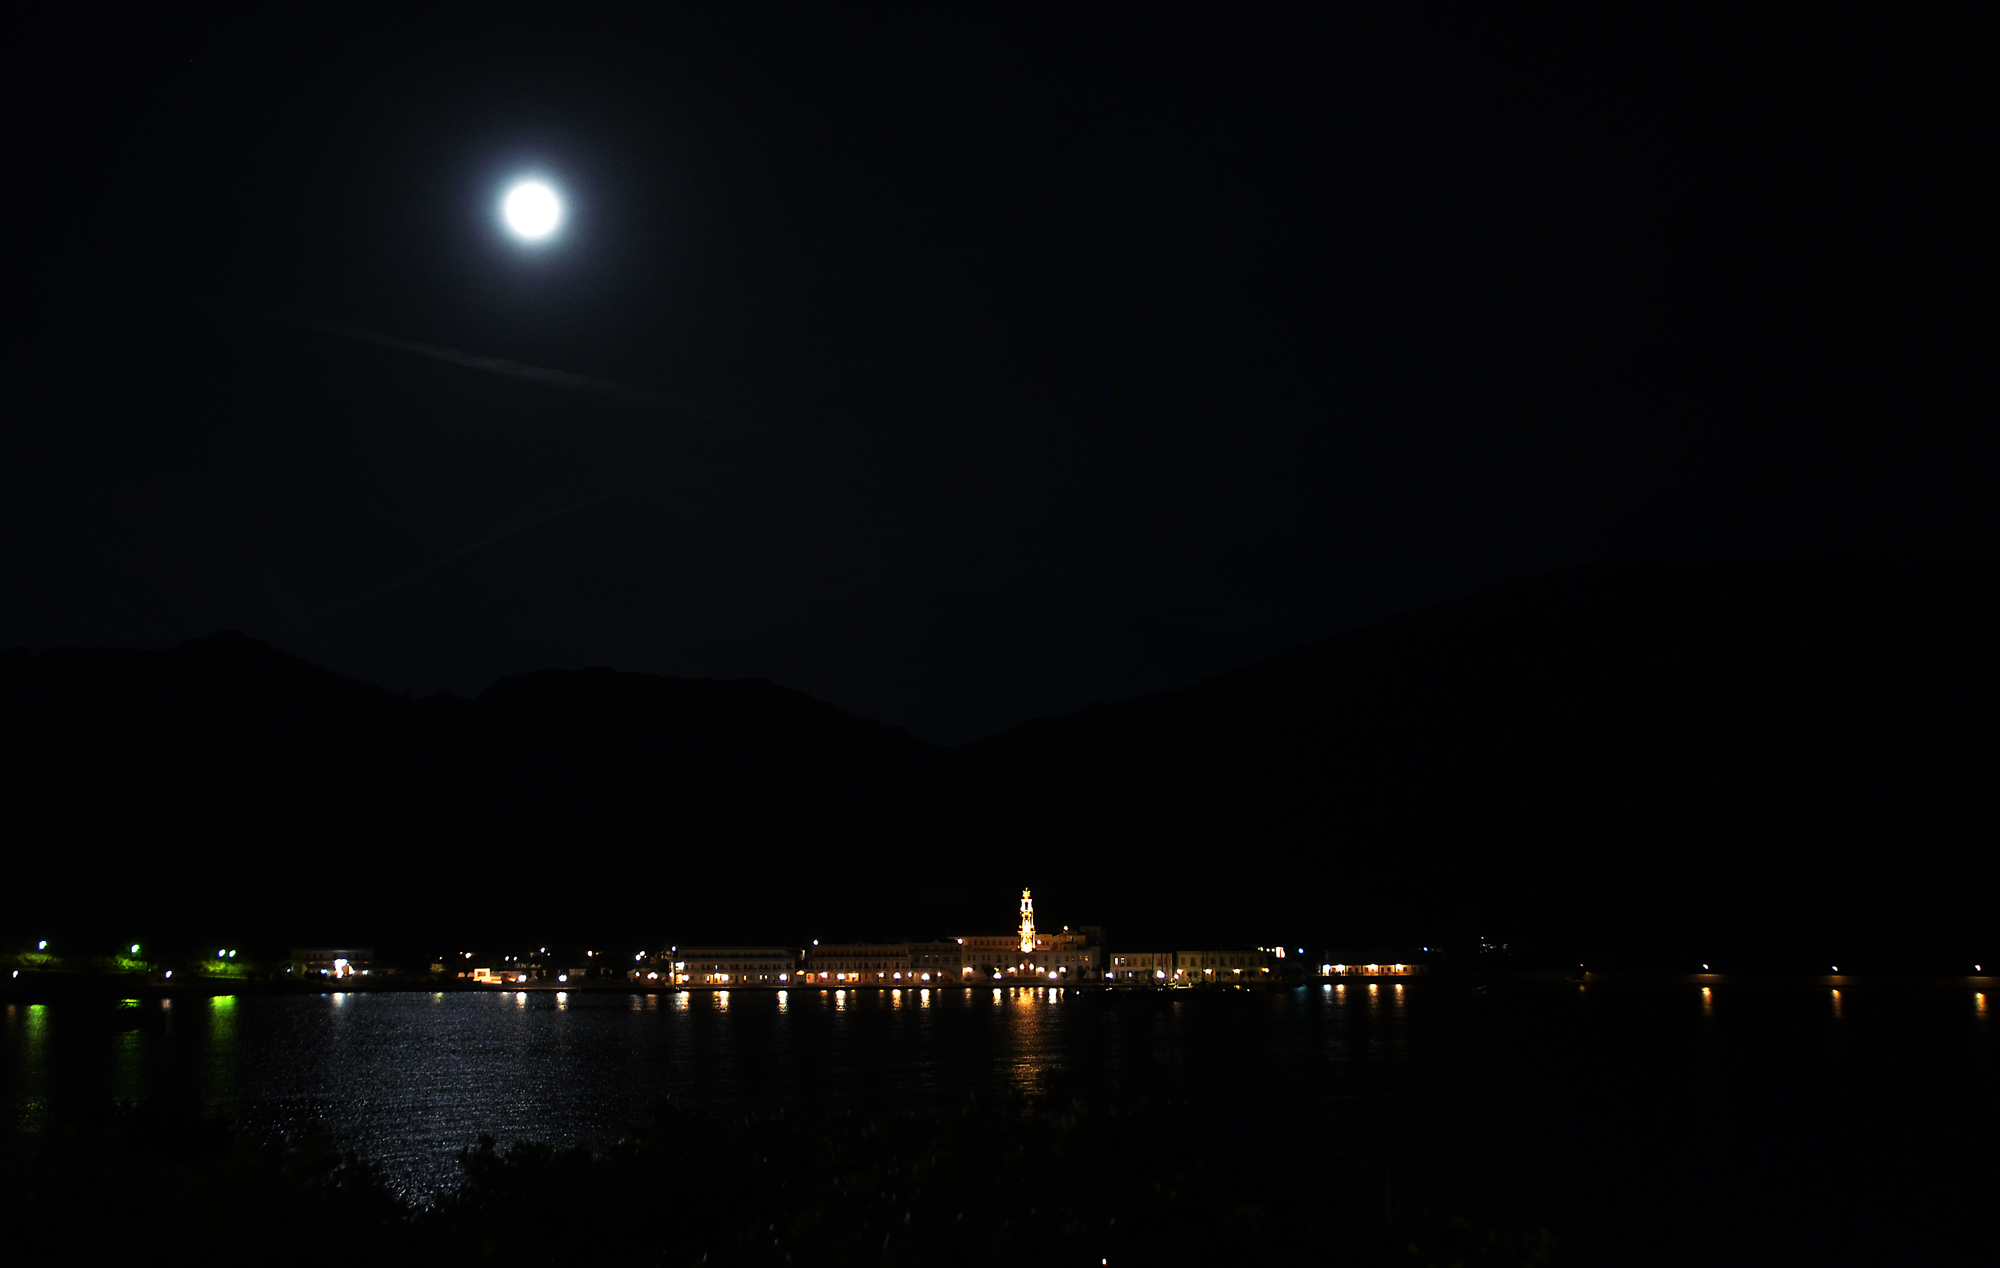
(227,785)
(1636,761)
(1641,759)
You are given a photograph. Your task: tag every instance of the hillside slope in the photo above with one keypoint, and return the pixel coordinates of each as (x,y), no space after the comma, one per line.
(1638,761)
(224,785)
(1643,757)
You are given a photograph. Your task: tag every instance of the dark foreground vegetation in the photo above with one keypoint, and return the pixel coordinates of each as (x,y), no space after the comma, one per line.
(1057,1181)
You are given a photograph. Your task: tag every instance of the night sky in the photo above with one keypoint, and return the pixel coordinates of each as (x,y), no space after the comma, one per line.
(961,370)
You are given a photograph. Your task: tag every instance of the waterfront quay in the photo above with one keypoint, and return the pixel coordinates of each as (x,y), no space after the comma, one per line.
(1061,958)
(1067,957)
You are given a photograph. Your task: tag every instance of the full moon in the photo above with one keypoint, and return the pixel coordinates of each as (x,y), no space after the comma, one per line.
(532,210)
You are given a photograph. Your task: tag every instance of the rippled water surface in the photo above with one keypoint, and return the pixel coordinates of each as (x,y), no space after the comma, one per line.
(411,1078)
(1804,1118)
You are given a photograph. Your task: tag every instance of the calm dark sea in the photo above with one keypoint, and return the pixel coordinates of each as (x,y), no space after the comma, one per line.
(1643,1122)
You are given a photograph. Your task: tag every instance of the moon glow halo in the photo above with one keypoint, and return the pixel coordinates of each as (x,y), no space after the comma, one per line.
(532,210)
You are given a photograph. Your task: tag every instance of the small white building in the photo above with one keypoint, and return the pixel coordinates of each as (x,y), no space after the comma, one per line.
(1373,968)
(332,963)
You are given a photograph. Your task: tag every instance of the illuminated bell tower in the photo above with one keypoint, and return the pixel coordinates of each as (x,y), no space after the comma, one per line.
(1027,922)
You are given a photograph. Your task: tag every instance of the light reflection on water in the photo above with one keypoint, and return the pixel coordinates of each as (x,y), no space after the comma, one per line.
(224,1045)
(127,1080)
(410,1079)
(31,1023)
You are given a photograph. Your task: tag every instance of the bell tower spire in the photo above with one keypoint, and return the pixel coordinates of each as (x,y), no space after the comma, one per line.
(1027,922)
